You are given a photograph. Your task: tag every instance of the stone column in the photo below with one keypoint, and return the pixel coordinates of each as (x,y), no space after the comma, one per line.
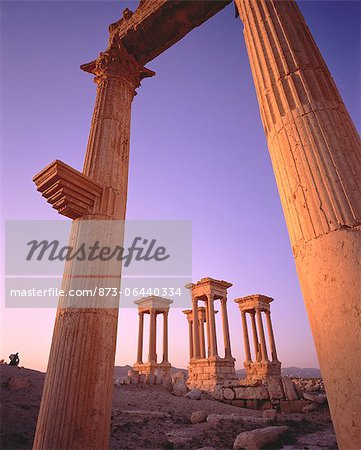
(315,152)
(76,403)
(255,337)
(212,326)
(261,335)
(165,336)
(190,329)
(225,325)
(201,338)
(152,335)
(271,337)
(140,337)
(208,331)
(195,330)
(247,349)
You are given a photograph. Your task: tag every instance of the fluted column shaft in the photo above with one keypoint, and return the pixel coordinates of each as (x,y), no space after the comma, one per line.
(75,409)
(196,349)
(212,326)
(247,349)
(225,325)
(255,337)
(165,336)
(316,156)
(140,337)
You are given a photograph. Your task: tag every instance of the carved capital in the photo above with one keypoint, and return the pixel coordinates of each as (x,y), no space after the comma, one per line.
(116,62)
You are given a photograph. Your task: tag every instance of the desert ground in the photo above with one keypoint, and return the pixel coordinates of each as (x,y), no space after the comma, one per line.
(150,417)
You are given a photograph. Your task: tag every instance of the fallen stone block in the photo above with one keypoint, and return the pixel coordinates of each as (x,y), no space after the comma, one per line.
(194,394)
(256,439)
(316,398)
(198,416)
(228,394)
(289,389)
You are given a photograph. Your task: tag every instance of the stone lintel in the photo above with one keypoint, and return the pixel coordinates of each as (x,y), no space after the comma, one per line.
(70,192)
(158,24)
(252,302)
(153,303)
(201,313)
(207,286)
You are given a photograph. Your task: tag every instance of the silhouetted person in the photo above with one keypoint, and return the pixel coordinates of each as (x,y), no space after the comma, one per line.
(14,359)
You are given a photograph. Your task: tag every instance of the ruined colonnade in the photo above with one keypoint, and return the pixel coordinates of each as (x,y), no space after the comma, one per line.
(315,152)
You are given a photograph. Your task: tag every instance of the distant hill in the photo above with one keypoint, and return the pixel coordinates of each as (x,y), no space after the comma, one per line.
(122,371)
(292,372)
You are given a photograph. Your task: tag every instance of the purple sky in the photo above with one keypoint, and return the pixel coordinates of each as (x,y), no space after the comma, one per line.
(198,152)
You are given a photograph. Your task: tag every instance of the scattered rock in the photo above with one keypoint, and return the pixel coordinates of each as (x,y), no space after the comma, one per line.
(270,414)
(198,417)
(310,408)
(18,382)
(316,398)
(275,388)
(194,394)
(167,382)
(256,439)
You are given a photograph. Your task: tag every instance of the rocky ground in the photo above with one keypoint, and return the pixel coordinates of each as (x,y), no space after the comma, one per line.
(149,417)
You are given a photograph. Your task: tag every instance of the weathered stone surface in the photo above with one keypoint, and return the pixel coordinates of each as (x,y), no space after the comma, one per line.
(256,393)
(289,389)
(314,397)
(315,152)
(142,378)
(18,382)
(275,388)
(179,384)
(194,394)
(229,394)
(167,382)
(310,407)
(256,439)
(270,414)
(198,417)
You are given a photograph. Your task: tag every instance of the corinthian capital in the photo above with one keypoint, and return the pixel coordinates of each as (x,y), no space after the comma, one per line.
(116,62)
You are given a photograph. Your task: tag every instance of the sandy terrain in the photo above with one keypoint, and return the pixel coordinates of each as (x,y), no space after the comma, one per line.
(149,417)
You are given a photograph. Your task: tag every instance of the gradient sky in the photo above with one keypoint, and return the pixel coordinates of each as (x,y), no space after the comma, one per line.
(198,152)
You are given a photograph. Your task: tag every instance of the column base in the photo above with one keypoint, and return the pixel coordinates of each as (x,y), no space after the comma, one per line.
(150,367)
(261,370)
(206,373)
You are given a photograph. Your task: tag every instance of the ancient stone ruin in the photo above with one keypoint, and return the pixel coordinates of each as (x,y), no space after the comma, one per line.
(315,153)
(153,306)
(261,367)
(207,369)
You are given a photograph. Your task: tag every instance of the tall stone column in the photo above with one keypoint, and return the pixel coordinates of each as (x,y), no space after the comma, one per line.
(271,337)
(190,333)
(165,336)
(225,325)
(261,335)
(316,156)
(208,331)
(255,337)
(212,325)
(152,335)
(140,337)
(196,349)
(247,349)
(202,342)
(75,409)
